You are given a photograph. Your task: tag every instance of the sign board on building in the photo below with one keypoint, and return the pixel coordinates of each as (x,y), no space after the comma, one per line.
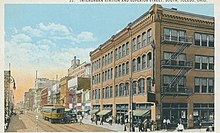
(73,83)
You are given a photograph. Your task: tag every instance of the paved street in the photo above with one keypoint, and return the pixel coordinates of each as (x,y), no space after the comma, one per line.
(27,123)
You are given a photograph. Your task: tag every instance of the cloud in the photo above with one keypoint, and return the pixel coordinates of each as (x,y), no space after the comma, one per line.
(19,38)
(47,46)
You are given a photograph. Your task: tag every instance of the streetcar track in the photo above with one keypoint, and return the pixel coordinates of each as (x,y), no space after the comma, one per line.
(43,124)
(67,127)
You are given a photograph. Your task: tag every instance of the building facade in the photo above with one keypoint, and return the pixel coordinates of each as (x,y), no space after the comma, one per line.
(26,100)
(167,57)
(44,96)
(31,99)
(79,70)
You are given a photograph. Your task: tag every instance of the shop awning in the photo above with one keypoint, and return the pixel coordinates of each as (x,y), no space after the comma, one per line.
(94,111)
(140,112)
(104,112)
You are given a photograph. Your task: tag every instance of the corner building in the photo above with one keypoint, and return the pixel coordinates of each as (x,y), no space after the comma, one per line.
(167,57)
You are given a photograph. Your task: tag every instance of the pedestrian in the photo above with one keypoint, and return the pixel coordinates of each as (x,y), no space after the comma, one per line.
(140,125)
(80,120)
(101,120)
(180,127)
(145,125)
(164,124)
(168,123)
(96,120)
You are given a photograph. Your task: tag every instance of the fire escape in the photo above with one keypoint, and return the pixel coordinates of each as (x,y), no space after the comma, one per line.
(173,88)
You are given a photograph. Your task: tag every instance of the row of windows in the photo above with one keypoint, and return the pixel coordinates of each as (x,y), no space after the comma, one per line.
(121,90)
(96,65)
(174,35)
(107,59)
(122,51)
(107,75)
(140,41)
(122,70)
(204,62)
(96,79)
(204,40)
(142,62)
(107,92)
(204,85)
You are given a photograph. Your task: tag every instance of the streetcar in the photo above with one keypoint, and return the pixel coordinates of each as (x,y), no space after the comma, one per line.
(53,113)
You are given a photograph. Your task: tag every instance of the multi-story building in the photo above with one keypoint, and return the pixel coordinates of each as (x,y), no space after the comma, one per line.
(65,95)
(41,83)
(26,100)
(79,70)
(31,99)
(44,96)
(167,57)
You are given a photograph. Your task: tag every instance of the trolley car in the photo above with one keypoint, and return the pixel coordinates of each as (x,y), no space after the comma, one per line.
(53,113)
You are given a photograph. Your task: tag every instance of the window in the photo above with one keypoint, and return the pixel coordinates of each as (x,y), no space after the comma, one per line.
(106,92)
(99,78)
(127,48)
(103,93)
(204,62)
(134,87)
(149,60)
(143,39)
(149,35)
(182,59)
(166,34)
(197,62)
(111,73)
(119,73)
(119,53)
(123,50)
(141,86)
(127,68)
(123,69)
(139,42)
(116,71)
(211,41)
(126,89)
(134,65)
(149,89)
(204,85)
(204,40)
(111,57)
(103,60)
(116,54)
(174,35)
(197,39)
(106,60)
(211,85)
(116,91)
(138,63)
(211,63)
(134,44)
(110,91)
(144,61)
(182,36)
(109,61)
(121,89)
(108,74)
(103,79)
(93,94)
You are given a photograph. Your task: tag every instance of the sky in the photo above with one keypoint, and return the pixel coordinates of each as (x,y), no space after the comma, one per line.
(47,37)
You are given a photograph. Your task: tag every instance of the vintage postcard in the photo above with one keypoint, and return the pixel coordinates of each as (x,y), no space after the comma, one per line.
(109,66)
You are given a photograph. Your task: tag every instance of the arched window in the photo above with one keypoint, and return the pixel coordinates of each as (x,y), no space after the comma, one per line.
(138,63)
(143,39)
(149,60)
(126,89)
(103,93)
(134,44)
(110,91)
(106,92)
(134,87)
(116,71)
(139,42)
(123,69)
(116,91)
(144,61)
(134,65)
(127,68)
(149,89)
(121,89)
(141,86)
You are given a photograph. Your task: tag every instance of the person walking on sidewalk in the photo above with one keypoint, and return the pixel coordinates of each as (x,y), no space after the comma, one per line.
(96,120)
(101,120)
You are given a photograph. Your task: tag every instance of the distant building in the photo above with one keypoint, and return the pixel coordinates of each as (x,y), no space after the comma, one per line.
(26,100)
(79,70)
(44,96)
(31,99)
(65,95)
(41,83)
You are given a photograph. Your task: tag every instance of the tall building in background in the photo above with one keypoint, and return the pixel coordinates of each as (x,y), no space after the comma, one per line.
(41,83)
(160,66)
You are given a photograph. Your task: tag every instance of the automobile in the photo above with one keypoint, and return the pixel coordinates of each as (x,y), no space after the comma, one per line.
(70,116)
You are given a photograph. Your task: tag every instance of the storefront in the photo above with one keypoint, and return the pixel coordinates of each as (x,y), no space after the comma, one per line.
(203,113)
(121,111)
(175,112)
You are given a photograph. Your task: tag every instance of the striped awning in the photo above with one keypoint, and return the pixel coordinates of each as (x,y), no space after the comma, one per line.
(104,112)
(141,112)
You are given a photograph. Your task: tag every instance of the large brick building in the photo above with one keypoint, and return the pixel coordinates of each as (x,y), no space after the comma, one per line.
(167,57)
